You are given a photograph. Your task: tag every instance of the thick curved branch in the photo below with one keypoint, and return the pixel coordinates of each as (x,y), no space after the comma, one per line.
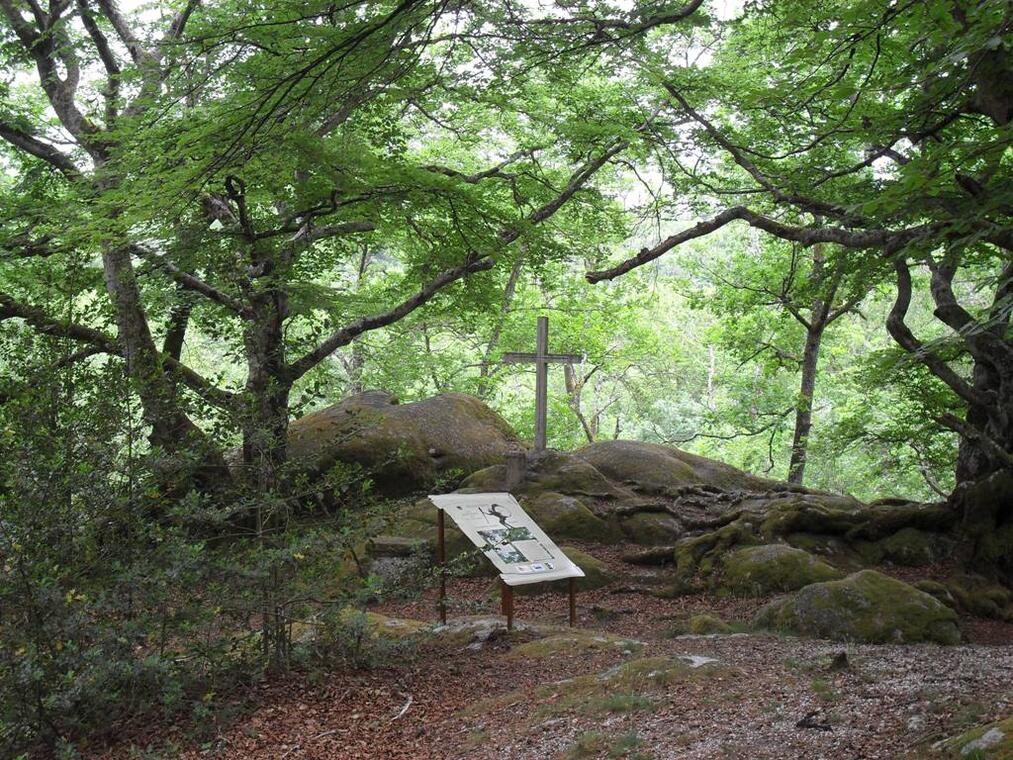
(980,341)
(34,146)
(43,323)
(194,283)
(906,339)
(858,238)
(474,263)
(807,204)
(964,430)
(133,45)
(347,334)
(108,58)
(103,343)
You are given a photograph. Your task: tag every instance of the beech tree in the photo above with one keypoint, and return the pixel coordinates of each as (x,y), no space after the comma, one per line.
(225,166)
(892,126)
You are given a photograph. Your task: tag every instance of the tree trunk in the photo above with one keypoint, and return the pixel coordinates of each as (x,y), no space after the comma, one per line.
(804,410)
(265,428)
(172,431)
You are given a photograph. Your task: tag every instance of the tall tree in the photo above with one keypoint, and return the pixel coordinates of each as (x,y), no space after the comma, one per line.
(892,125)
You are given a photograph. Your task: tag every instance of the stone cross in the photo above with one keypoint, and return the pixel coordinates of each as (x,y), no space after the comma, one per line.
(541,358)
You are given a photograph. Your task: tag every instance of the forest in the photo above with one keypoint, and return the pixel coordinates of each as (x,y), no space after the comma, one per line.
(778,234)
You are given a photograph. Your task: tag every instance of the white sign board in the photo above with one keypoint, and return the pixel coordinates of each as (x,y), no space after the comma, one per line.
(512,541)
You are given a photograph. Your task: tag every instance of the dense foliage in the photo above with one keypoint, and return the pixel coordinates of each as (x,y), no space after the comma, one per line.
(218,216)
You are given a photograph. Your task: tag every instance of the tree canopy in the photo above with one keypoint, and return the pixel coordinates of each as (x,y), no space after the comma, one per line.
(779,233)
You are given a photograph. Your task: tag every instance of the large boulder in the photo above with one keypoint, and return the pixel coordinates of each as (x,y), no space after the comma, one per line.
(771,569)
(655,465)
(566,517)
(403,447)
(866,607)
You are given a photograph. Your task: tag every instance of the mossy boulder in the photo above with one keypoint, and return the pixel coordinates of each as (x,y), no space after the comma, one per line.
(772,568)
(993,741)
(402,447)
(844,516)
(910,546)
(981,597)
(651,528)
(596,575)
(866,607)
(417,523)
(566,473)
(937,590)
(702,625)
(702,554)
(566,517)
(653,464)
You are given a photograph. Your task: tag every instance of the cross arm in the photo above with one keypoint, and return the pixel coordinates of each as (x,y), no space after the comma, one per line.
(515,357)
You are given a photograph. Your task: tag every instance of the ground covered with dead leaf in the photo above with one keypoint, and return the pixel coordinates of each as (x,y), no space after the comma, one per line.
(626,683)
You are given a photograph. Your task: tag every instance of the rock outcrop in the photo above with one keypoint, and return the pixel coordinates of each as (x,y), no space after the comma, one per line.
(402,447)
(718,528)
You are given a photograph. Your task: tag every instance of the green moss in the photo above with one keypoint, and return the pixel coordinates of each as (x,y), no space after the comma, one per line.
(773,568)
(485,480)
(653,464)
(995,545)
(990,742)
(564,473)
(866,607)
(850,519)
(633,685)
(563,517)
(699,554)
(938,591)
(910,546)
(704,624)
(981,597)
(402,447)
(575,642)
(378,626)
(651,528)
(868,552)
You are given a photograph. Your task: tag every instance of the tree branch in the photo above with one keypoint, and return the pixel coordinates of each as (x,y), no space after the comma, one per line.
(347,334)
(903,336)
(47,325)
(35,147)
(192,282)
(807,204)
(474,263)
(859,238)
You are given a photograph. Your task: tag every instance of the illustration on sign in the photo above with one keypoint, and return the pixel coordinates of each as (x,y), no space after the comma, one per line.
(500,527)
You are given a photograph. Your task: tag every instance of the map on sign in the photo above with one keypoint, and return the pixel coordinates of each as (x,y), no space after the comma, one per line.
(513,542)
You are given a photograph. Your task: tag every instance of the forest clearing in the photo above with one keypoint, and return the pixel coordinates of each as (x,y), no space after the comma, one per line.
(511,379)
